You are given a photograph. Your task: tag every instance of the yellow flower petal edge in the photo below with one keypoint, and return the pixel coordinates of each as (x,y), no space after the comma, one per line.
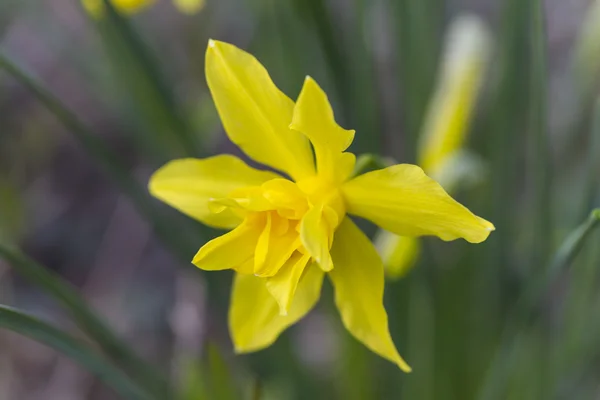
(313,116)
(358,283)
(255,113)
(189,184)
(254,318)
(287,233)
(314,234)
(229,251)
(405,201)
(283,285)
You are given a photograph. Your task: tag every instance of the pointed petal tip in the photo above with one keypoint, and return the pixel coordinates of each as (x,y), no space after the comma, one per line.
(487,224)
(213,45)
(404,367)
(486,229)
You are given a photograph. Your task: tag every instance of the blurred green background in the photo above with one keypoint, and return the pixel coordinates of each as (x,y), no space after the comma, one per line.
(113,98)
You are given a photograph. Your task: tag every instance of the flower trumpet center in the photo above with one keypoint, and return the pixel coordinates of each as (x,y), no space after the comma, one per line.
(274,214)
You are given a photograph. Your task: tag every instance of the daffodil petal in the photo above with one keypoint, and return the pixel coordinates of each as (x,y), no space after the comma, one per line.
(282,285)
(276,250)
(189,184)
(314,233)
(229,251)
(254,112)
(358,283)
(284,194)
(399,253)
(405,201)
(189,6)
(313,116)
(262,244)
(254,319)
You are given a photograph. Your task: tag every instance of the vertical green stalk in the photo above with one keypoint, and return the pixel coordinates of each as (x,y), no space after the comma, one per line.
(542,170)
(539,131)
(418,22)
(507,114)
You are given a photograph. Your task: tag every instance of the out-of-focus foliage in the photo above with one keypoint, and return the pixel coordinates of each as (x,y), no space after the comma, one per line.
(91,106)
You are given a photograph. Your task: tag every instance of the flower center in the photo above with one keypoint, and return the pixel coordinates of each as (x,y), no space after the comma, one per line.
(285,198)
(278,214)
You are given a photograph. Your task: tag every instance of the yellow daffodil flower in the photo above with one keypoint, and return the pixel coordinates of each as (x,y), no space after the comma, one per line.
(440,149)
(96,7)
(291,227)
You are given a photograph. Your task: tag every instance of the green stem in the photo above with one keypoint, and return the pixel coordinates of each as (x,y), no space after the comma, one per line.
(84,317)
(541,147)
(37,330)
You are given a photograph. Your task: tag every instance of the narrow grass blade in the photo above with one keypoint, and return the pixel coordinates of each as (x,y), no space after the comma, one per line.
(574,242)
(179,241)
(507,118)
(37,330)
(84,317)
